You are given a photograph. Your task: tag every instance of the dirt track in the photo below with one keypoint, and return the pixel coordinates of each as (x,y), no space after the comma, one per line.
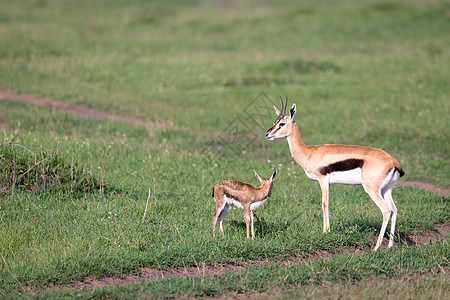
(149,274)
(80,110)
(96,114)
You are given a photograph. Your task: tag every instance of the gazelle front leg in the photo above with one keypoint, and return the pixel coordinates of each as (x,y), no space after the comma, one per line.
(325,187)
(248,219)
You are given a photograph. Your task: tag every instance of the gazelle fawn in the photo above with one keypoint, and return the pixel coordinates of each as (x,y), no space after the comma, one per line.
(373,168)
(231,193)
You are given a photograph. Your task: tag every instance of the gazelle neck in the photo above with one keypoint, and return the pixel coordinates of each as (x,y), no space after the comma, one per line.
(264,191)
(298,148)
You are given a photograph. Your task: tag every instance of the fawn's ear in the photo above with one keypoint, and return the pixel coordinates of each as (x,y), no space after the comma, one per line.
(258,176)
(274,174)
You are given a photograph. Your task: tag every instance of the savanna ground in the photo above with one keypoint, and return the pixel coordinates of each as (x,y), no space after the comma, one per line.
(130,112)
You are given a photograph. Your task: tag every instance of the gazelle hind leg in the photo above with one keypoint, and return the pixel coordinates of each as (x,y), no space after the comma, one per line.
(385,210)
(386,193)
(221,212)
(222,215)
(215,216)
(390,202)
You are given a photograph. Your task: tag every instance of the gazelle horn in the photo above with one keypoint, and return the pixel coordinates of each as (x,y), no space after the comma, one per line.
(282,106)
(285,106)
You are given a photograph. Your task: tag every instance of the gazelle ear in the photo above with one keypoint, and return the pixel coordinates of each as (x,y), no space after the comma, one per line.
(292,112)
(274,174)
(276,110)
(258,176)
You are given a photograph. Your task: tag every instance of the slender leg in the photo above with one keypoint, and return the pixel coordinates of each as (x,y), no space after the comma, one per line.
(251,217)
(386,193)
(221,212)
(325,187)
(388,199)
(222,215)
(385,210)
(215,216)
(247,219)
(386,216)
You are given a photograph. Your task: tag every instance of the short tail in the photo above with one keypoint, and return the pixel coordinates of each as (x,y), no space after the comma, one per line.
(212,193)
(400,171)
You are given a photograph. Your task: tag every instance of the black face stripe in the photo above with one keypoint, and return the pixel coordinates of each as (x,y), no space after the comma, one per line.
(276,123)
(340,166)
(277,129)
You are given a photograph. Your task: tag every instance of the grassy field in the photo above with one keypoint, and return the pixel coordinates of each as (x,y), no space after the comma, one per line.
(73,191)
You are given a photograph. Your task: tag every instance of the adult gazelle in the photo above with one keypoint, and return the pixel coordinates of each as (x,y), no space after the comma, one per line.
(373,168)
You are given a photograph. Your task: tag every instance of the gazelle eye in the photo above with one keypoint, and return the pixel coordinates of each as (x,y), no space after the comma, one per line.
(282,124)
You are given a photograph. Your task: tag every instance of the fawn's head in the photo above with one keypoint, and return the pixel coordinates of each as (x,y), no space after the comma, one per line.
(266,183)
(282,126)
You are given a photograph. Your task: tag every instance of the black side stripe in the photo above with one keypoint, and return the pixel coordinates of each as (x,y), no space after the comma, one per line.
(340,166)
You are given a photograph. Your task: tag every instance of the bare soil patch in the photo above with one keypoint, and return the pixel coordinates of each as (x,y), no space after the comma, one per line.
(427,186)
(148,274)
(3,126)
(82,110)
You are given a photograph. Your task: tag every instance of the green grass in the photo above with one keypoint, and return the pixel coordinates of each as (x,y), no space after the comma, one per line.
(282,278)
(429,287)
(382,67)
(73,190)
(91,222)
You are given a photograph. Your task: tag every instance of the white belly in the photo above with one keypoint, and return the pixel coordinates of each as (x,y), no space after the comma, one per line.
(234,202)
(255,205)
(352,177)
